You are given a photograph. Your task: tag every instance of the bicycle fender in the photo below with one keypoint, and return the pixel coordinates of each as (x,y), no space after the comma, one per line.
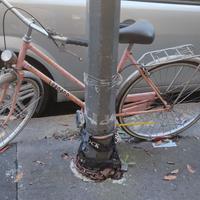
(195,60)
(28,74)
(134,75)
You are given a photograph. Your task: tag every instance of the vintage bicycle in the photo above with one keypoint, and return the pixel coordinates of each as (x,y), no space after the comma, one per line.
(158,100)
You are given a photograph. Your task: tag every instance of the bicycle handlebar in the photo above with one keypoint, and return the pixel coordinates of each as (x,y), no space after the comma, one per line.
(30,23)
(25,20)
(77,42)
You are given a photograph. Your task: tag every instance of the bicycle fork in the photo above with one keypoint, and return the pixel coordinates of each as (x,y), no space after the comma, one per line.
(14,97)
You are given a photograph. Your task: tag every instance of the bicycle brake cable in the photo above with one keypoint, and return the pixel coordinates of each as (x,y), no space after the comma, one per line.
(72,53)
(8,9)
(50,33)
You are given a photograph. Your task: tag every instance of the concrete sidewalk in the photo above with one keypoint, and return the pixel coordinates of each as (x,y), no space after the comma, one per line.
(37,167)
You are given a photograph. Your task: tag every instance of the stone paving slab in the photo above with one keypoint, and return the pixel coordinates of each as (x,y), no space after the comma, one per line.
(38,128)
(7,174)
(47,176)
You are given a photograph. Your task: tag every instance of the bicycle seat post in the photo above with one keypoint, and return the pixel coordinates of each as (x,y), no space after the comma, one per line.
(130,46)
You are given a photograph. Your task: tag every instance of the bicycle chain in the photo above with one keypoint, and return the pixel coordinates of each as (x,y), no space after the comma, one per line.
(98,175)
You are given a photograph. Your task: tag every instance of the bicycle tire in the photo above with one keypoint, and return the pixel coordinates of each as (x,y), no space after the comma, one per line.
(27,102)
(186,112)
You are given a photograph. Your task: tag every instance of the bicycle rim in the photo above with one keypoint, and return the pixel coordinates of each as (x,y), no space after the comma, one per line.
(27,101)
(179,84)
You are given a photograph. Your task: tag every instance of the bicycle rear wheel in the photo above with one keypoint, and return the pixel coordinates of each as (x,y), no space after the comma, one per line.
(179,85)
(26,103)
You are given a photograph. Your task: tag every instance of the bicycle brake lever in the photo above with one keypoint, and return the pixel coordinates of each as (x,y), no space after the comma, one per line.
(62,45)
(52,32)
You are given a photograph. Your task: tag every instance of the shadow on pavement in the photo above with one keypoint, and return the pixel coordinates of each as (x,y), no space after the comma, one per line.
(62,108)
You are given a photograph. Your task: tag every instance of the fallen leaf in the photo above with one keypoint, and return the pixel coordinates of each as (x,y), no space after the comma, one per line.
(65,156)
(190,169)
(171,163)
(18,177)
(169,177)
(39,162)
(197,137)
(176,171)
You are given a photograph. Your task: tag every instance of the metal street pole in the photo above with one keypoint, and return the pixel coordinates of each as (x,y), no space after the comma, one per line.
(97,154)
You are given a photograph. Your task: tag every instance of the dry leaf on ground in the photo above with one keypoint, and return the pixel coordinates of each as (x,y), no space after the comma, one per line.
(170,177)
(65,156)
(170,163)
(176,171)
(197,137)
(190,169)
(39,162)
(18,177)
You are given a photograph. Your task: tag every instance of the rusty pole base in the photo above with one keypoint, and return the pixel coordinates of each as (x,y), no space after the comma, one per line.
(98,175)
(98,159)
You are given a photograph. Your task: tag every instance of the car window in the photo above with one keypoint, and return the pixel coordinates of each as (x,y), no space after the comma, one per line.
(192,2)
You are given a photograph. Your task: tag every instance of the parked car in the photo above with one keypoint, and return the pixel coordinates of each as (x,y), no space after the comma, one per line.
(176,22)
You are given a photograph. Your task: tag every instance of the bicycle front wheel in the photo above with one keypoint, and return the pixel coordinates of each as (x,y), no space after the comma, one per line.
(26,103)
(179,86)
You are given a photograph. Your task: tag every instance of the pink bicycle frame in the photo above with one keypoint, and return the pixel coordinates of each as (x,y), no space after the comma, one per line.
(136,103)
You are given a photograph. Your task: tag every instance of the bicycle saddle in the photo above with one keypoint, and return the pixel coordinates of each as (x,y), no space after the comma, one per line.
(141,32)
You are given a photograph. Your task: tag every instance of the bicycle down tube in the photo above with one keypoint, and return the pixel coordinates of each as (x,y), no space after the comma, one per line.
(28,46)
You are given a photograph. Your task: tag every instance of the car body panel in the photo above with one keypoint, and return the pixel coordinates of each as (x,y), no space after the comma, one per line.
(175,24)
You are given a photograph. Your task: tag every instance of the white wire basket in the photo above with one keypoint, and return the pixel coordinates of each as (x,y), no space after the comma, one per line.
(167,55)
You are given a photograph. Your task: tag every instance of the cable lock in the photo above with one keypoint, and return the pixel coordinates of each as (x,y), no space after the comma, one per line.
(90,80)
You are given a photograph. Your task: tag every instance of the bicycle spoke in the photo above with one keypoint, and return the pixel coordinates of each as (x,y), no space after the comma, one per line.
(187,83)
(188,95)
(175,78)
(7,106)
(177,84)
(26,103)
(25,109)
